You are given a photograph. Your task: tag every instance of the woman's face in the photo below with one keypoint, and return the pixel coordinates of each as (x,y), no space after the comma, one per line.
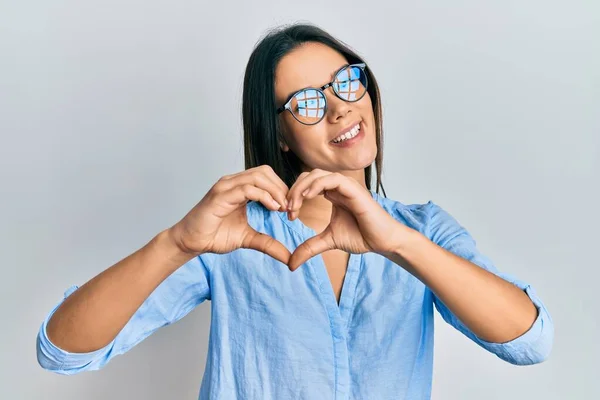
(314,65)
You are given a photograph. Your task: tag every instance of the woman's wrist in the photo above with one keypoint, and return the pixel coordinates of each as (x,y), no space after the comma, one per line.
(165,247)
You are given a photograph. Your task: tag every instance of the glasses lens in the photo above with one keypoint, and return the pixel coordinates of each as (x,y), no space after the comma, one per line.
(308,106)
(350,84)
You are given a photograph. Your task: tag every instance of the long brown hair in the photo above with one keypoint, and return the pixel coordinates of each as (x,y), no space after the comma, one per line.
(260,120)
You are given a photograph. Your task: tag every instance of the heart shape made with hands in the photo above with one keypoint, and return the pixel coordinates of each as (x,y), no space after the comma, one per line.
(358,224)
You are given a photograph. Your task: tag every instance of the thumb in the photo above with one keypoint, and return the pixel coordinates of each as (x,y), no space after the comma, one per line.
(267,245)
(310,248)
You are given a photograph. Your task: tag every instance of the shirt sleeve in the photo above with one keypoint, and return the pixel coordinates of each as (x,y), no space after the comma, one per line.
(172,299)
(531,347)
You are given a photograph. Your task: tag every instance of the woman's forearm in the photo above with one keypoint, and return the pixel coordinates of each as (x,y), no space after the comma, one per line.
(492,308)
(95,313)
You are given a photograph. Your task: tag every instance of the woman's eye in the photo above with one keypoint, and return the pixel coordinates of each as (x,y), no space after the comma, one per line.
(307,104)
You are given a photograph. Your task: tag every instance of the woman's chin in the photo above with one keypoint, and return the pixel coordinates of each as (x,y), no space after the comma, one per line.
(358,165)
(365,159)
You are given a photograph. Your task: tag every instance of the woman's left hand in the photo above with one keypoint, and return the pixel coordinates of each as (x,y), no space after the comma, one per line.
(358,223)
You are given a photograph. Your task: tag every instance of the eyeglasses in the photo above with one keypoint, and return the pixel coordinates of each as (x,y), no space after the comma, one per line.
(309,105)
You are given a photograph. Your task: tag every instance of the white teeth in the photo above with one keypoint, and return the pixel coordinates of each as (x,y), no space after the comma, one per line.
(348,135)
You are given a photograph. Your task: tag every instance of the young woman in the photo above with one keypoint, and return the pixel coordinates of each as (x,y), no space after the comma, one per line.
(320,287)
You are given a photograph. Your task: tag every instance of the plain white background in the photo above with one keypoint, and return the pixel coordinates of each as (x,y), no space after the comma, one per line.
(117,116)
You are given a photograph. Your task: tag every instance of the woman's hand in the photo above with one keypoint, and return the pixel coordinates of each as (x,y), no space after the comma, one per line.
(358,223)
(218,223)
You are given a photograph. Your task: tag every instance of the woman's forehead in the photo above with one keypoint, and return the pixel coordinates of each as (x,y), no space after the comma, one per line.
(310,65)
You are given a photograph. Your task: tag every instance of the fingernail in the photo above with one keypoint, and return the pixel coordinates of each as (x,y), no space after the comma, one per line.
(276,204)
(304,193)
(290,204)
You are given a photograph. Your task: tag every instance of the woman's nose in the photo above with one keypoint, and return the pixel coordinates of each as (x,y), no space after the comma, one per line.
(337,108)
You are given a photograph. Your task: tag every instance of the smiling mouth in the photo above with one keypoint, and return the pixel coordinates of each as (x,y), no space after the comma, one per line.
(348,135)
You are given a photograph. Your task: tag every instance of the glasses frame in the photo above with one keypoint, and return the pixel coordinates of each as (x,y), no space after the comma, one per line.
(287,105)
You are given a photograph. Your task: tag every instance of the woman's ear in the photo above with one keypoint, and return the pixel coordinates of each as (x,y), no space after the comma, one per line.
(284,147)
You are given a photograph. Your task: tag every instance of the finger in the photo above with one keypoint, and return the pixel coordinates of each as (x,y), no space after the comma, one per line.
(265,171)
(266,168)
(341,191)
(248,176)
(295,197)
(290,202)
(270,174)
(267,245)
(261,181)
(338,183)
(299,179)
(310,248)
(241,194)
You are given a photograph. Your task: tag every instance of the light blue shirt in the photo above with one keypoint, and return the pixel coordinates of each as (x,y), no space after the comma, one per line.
(281,335)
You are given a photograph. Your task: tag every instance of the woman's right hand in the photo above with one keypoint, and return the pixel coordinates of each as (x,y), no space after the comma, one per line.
(218,223)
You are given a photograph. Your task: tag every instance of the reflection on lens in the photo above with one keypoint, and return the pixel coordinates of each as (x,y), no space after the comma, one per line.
(350,84)
(308,106)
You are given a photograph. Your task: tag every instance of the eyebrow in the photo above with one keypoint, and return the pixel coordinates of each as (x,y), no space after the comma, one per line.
(287,98)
